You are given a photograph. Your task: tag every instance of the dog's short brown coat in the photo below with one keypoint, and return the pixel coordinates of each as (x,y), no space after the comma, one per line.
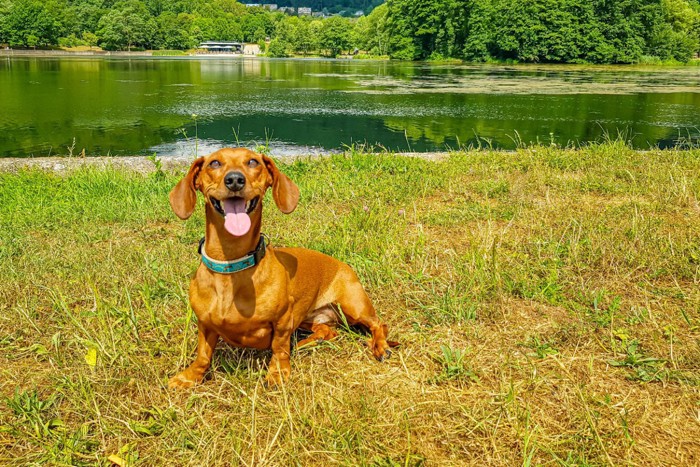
(290,288)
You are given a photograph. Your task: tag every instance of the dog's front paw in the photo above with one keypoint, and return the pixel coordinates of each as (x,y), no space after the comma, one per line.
(380,349)
(181,381)
(277,377)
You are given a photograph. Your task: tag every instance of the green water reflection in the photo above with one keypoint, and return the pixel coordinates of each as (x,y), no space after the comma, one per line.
(137,106)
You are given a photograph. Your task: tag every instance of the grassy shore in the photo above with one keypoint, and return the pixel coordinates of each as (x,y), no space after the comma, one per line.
(547,302)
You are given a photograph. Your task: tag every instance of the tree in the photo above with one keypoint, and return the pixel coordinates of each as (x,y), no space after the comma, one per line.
(304,38)
(568,31)
(30,24)
(335,35)
(257,25)
(175,31)
(4,13)
(90,39)
(623,29)
(478,40)
(371,32)
(277,48)
(676,36)
(83,16)
(128,24)
(401,30)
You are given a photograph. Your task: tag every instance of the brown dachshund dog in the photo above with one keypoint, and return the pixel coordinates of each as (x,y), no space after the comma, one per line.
(256,296)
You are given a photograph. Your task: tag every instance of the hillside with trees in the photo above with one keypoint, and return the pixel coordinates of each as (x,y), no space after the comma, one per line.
(552,31)
(569,31)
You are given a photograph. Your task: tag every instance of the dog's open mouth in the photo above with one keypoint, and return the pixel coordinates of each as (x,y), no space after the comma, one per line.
(236,212)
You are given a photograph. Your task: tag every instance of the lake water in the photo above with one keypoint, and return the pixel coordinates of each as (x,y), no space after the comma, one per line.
(134,106)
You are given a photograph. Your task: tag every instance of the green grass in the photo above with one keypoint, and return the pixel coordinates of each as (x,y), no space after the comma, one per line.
(168,53)
(547,302)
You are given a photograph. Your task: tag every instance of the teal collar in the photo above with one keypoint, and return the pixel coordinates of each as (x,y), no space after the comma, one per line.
(229,267)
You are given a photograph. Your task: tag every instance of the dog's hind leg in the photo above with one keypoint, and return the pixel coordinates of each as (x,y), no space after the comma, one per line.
(358,309)
(320,332)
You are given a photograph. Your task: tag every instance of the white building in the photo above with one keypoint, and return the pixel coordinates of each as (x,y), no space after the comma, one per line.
(251,49)
(304,11)
(220,47)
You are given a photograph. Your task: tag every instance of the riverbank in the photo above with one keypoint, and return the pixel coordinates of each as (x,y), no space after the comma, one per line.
(71,53)
(144,164)
(363,57)
(85,52)
(546,302)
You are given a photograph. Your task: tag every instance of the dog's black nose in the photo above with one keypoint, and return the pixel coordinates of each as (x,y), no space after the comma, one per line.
(234,181)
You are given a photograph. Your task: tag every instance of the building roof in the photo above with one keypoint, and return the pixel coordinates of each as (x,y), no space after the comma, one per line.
(219,44)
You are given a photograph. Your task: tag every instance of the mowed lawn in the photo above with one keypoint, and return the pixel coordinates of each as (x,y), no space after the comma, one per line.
(547,302)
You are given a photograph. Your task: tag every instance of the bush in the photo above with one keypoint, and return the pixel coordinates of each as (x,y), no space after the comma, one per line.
(70,41)
(277,48)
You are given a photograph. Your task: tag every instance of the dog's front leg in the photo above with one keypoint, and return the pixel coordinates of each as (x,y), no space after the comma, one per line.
(193,374)
(279,368)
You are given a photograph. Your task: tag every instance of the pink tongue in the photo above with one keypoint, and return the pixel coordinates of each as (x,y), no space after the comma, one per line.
(237,221)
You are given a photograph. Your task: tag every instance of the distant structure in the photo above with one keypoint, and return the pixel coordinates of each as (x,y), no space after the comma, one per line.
(221,47)
(251,49)
(290,10)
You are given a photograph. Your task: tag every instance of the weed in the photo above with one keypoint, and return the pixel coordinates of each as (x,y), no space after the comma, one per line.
(154,421)
(454,366)
(158,172)
(645,369)
(31,410)
(542,348)
(601,313)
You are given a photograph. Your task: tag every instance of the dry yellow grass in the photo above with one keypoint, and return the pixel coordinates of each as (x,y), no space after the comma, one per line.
(546,300)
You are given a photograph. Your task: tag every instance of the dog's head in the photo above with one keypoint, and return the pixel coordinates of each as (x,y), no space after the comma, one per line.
(233,182)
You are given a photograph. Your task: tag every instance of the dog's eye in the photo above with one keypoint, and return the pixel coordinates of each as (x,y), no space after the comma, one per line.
(253,163)
(215,164)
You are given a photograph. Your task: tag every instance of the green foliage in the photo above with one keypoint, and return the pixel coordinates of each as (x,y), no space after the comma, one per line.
(127,24)
(29,23)
(568,31)
(678,36)
(277,48)
(175,31)
(454,366)
(335,35)
(34,412)
(556,31)
(542,349)
(70,41)
(645,369)
(371,33)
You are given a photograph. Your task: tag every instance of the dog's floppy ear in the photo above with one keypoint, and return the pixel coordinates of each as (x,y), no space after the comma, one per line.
(183,198)
(284,191)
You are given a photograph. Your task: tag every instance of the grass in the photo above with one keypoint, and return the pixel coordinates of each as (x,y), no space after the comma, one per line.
(547,302)
(169,53)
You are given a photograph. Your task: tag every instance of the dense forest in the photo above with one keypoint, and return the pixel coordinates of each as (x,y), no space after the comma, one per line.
(572,31)
(558,31)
